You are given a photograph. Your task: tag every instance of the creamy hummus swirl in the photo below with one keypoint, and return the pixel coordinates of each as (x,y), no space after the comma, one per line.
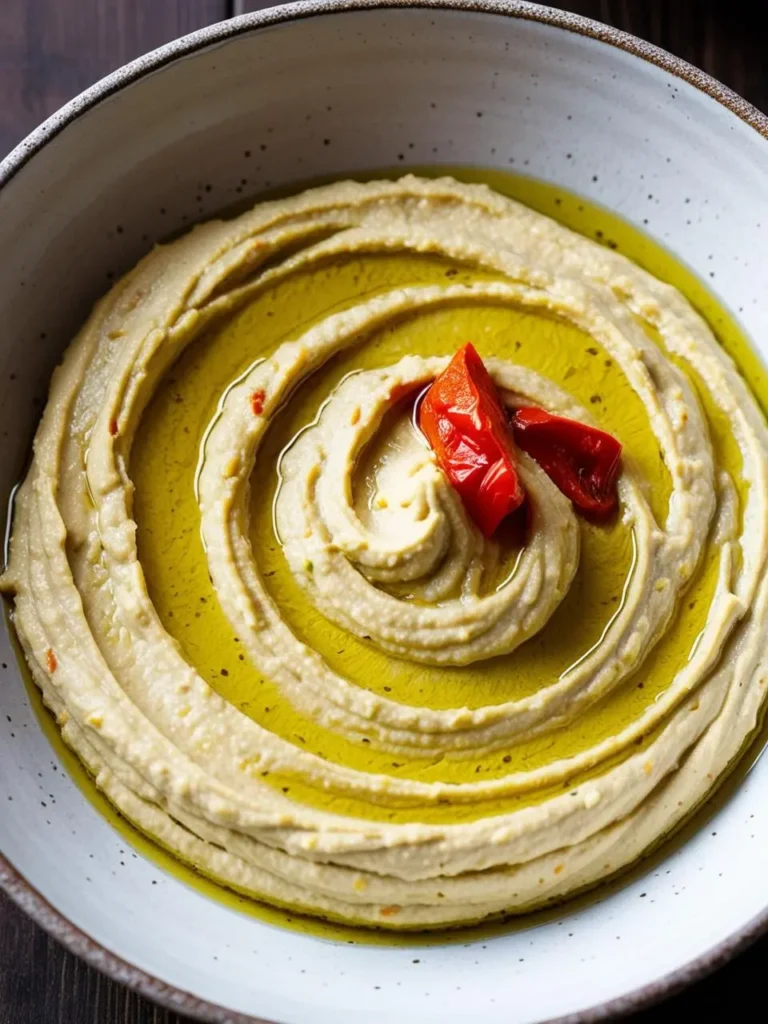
(434,829)
(416,531)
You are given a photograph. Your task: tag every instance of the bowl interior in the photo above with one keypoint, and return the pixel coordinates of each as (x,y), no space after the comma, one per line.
(173,141)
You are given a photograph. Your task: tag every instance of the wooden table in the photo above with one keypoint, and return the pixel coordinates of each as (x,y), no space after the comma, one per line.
(50,50)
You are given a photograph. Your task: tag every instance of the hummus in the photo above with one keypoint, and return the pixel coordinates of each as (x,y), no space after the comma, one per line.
(415,727)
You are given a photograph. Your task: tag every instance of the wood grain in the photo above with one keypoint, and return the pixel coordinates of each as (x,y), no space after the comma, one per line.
(52,49)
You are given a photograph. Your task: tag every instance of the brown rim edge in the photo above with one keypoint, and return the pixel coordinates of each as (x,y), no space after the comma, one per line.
(11,881)
(95,955)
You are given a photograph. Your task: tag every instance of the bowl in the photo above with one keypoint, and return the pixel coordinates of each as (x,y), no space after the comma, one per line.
(266,100)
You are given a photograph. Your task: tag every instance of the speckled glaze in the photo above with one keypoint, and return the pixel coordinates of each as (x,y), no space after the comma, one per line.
(323,88)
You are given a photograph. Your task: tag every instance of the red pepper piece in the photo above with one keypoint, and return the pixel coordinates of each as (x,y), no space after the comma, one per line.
(257,402)
(581,460)
(464,421)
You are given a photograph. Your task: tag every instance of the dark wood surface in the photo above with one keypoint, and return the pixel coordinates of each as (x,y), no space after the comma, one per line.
(50,50)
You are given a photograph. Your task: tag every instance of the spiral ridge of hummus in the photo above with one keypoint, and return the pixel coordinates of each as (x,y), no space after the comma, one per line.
(416,727)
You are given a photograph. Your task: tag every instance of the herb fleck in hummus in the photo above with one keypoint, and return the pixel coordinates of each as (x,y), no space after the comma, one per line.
(265,622)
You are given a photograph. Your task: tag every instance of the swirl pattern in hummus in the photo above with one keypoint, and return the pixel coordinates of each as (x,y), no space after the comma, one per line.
(415,727)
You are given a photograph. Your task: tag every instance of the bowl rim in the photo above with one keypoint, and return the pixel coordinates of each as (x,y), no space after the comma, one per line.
(12,882)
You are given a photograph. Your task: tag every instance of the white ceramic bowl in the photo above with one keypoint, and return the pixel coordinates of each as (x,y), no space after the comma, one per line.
(325,88)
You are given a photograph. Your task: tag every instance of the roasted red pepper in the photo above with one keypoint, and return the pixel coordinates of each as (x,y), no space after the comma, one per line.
(464,421)
(581,460)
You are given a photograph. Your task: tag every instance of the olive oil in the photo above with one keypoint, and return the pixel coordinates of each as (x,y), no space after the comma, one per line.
(164,463)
